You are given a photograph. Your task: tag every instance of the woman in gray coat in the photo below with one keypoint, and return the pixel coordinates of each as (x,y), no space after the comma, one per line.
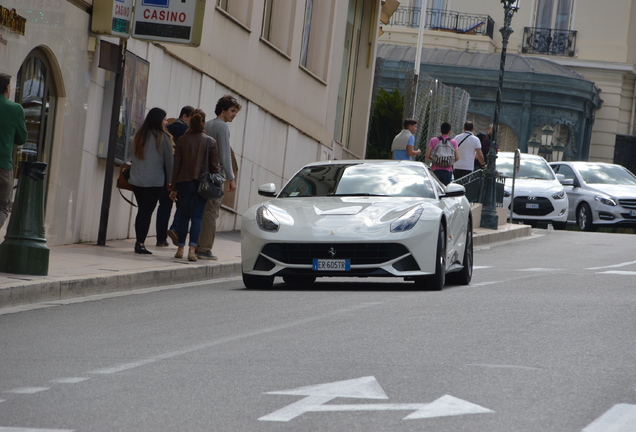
(152,161)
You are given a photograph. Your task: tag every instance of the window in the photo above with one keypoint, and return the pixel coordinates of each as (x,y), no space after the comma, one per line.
(240,11)
(278,24)
(316,41)
(554,14)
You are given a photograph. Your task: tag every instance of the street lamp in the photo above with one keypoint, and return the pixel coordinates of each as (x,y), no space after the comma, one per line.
(559,149)
(489,218)
(547,134)
(533,145)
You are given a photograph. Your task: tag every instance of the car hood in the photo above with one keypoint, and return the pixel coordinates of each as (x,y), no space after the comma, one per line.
(361,212)
(534,187)
(623,191)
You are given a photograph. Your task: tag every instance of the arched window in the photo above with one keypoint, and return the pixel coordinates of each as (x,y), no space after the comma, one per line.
(36,93)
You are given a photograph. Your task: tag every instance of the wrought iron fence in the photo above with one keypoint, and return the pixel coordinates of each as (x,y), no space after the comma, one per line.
(474,183)
(548,41)
(436,19)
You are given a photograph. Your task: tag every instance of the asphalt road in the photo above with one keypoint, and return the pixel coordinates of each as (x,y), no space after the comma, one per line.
(542,340)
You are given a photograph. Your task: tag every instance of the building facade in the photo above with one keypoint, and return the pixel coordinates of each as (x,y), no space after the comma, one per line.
(594,42)
(302,71)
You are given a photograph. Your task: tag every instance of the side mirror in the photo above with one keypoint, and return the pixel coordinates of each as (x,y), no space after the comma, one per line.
(267,189)
(454,190)
(568,182)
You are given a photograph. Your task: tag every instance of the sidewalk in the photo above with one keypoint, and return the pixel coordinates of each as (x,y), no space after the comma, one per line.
(85,269)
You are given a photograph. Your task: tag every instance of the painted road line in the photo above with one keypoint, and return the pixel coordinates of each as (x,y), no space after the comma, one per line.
(365,388)
(625,264)
(618,272)
(70,380)
(619,418)
(27,390)
(213,343)
(540,269)
(18,429)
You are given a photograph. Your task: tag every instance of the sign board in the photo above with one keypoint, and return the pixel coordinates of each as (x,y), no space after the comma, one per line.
(112,17)
(174,21)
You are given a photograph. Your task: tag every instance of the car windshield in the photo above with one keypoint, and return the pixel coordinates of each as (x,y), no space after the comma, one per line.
(360,180)
(605,174)
(528,168)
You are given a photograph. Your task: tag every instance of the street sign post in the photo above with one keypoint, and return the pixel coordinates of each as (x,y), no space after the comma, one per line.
(174,21)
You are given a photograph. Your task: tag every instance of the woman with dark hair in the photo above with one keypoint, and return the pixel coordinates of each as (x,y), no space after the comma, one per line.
(152,161)
(195,153)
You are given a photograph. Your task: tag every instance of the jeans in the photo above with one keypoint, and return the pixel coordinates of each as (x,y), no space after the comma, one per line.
(147,198)
(192,206)
(444,176)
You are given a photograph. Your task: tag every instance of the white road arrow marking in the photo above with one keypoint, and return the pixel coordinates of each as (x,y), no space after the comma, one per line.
(365,388)
(619,418)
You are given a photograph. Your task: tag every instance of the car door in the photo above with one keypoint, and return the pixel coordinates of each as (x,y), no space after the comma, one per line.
(574,193)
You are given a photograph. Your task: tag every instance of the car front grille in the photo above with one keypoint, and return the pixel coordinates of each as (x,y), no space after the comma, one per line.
(358,253)
(523,206)
(628,203)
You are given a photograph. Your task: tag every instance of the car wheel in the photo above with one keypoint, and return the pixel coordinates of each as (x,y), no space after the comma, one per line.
(257,282)
(436,282)
(299,280)
(465,275)
(584,218)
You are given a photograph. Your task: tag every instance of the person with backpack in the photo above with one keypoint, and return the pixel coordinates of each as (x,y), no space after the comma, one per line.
(442,152)
(469,148)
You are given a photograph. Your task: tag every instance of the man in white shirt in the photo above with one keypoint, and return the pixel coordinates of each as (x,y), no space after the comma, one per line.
(469,148)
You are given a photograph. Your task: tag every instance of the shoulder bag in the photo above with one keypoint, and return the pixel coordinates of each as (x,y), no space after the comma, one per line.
(211,185)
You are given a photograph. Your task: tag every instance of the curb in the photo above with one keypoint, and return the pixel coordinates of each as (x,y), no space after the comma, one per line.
(64,289)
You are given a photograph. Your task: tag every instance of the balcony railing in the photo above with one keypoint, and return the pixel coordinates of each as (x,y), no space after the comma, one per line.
(548,41)
(435,19)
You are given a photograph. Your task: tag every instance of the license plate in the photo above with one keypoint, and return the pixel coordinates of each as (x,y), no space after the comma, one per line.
(532,206)
(632,212)
(332,265)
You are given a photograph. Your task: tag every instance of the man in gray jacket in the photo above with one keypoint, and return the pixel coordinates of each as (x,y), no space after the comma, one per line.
(227,108)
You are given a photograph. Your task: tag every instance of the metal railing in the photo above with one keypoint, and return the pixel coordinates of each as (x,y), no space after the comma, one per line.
(407,16)
(548,41)
(473,183)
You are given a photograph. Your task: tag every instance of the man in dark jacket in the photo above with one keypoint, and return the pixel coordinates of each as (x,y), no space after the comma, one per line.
(176,129)
(12,132)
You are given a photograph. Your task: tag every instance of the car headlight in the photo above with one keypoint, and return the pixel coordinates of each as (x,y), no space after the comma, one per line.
(407,220)
(266,220)
(558,195)
(605,200)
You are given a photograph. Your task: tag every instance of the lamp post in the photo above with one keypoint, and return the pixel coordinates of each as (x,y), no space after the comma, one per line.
(489,218)
(558,149)
(533,145)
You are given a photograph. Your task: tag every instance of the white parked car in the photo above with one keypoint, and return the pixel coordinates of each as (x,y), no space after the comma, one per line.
(359,218)
(600,194)
(539,197)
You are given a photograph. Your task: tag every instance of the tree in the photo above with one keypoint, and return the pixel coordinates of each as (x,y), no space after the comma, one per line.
(386,122)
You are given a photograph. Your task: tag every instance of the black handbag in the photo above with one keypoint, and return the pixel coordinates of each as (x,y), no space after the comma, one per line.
(211,185)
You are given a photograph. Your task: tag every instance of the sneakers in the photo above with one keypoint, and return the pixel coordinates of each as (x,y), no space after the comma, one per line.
(179,254)
(173,236)
(192,256)
(207,255)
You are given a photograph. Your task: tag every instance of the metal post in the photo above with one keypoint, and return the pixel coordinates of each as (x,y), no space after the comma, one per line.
(112,140)
(489,218)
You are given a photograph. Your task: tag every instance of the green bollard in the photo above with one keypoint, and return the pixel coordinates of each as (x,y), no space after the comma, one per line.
(24,249)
